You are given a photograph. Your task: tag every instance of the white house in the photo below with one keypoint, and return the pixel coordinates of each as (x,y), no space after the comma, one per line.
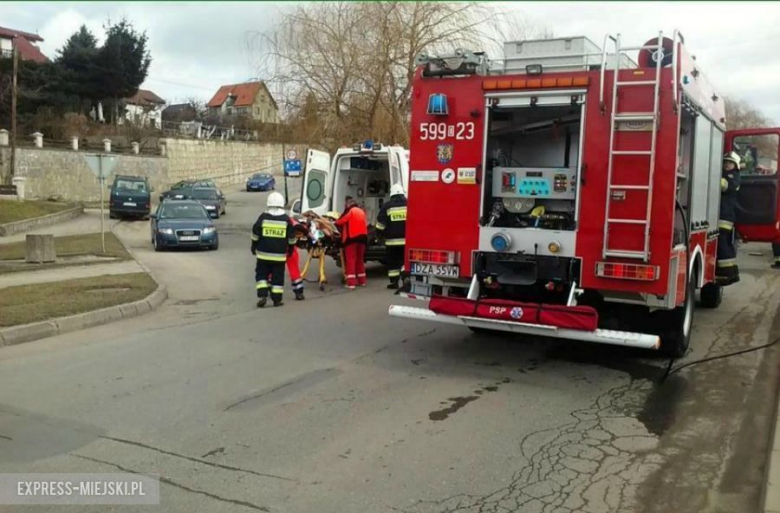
(144,108)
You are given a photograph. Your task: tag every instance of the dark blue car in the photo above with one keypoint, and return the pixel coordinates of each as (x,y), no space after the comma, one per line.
(260,182)
(130,197)
(183,224)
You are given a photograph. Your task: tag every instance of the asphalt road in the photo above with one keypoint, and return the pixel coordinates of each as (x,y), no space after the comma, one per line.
(330,405)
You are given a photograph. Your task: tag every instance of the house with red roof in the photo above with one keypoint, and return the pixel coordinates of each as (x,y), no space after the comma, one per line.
(250,99)
(24,42)
(144,108)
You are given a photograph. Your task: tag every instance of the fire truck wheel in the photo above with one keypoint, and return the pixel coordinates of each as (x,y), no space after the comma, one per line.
(676,339)
(711,295)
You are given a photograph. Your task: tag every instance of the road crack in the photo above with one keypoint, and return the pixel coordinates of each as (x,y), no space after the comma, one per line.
(198,460)
(586,466)
(173,483)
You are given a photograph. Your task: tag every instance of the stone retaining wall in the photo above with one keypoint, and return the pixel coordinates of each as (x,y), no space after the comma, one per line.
(60,172)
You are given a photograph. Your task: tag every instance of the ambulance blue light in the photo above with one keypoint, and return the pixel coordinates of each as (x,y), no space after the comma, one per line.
(368,145)
(437,105)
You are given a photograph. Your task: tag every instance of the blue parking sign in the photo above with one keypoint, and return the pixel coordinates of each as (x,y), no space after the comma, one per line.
(292,167)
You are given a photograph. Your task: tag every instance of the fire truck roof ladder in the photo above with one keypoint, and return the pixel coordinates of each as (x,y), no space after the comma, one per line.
(618,117)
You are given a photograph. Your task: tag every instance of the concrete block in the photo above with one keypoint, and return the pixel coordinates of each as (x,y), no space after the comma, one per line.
(28,332)
(39,248)
(156,298)
(88,319)
(142,307)
(76,322)
(128,310)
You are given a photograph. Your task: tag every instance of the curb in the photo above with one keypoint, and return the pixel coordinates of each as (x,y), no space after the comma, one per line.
(60,325)
(770,494)
(43,329)
(39,222)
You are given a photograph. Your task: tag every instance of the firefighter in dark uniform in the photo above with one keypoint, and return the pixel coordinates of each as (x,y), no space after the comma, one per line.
(272,234)
(726,270)
(391,222)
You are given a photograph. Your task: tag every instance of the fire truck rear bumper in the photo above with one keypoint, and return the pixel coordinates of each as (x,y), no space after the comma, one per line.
(620,338)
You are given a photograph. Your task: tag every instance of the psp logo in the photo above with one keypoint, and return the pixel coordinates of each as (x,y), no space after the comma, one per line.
(516,313)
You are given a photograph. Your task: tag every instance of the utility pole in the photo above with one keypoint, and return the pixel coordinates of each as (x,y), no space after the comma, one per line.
(13,111)
(102,182)
(284,172)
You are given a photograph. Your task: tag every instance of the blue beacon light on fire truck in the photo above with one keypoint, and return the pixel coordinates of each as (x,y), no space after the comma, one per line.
(437,105)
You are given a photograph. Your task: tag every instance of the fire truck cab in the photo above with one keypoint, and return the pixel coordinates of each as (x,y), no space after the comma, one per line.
(366,171)
(568,192)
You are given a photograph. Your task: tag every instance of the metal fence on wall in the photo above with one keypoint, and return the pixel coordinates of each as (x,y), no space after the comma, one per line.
(199,130)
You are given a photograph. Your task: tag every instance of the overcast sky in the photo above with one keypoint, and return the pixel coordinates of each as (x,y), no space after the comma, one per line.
(197,46)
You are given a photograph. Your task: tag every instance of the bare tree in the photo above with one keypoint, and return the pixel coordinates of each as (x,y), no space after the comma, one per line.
(198,106)
(741,114)
(342,71)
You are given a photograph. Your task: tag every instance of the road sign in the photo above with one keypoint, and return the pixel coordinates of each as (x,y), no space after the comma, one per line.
(292,155)
(292,167)
(101,164)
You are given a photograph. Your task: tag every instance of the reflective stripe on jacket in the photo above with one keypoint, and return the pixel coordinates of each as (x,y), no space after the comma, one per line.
(391,221)
(271,236)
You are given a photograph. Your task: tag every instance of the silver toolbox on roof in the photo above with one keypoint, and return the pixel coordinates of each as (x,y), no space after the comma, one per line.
(560,54)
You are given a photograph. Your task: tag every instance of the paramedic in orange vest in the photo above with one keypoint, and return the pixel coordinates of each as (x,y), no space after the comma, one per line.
(354,237)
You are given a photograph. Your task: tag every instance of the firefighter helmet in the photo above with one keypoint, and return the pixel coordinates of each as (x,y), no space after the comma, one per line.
(275,200)
(732,157)
(396,189)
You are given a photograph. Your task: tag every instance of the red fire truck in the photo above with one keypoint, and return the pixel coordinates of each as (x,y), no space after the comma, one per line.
(572,193)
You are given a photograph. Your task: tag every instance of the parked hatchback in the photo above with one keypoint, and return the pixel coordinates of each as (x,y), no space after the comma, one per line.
(181,224)
(212,200)
(130,197)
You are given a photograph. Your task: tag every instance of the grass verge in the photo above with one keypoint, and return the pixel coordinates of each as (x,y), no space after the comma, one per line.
(71,245)
(31,303)
(11,211)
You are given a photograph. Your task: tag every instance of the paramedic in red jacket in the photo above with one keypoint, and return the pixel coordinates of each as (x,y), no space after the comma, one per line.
(354,237)
(293,266)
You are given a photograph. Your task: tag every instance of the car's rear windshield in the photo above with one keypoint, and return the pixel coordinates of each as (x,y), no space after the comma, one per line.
(189,211)
(130,185)
(261,176)
(203,194)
